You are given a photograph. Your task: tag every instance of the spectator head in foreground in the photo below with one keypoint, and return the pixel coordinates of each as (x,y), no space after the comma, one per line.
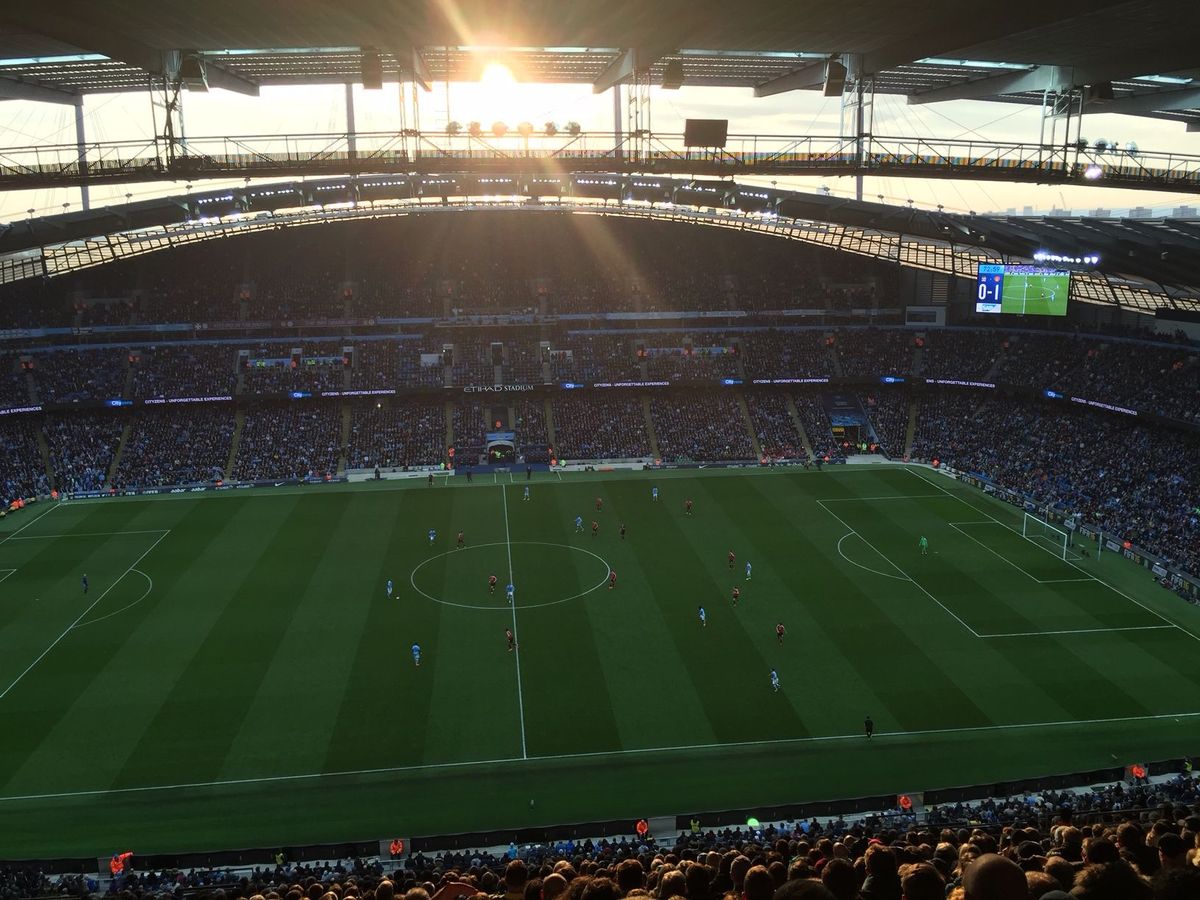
(803,890)
(992,877)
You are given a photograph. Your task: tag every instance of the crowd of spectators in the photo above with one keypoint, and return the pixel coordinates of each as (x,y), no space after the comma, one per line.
(967,355)
(319,368)
(704,358)
(773,425)
(888,411)
(1162,379)
(72,376)
(785,354)
(1136,482)
(470,421)
(600,427)
(501,263)
(293,441)
(1113,843)
(200,370)
(81,449)
(815,422)
(176,446)
(22,470)
(14,383)
(533,437)
(700,426)
(876,352)
(943,416)
(397,435)
(380,365)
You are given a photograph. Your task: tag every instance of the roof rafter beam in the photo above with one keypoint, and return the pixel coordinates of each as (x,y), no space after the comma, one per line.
(220,77)
(420,70)
(1039,78)
(807,78)
(25,89)
(115,45)
(1157,101)
(626,63)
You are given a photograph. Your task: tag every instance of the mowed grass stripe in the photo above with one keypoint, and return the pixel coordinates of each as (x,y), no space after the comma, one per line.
(1077,602)
(569,701)
(117,670)
(629,624)
(308,661)
(948,578)
(881,626)
(199,718)
(722,662)
(474,712)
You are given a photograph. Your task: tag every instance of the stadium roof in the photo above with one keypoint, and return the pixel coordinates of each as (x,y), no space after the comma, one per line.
(939,50)
(1144,264)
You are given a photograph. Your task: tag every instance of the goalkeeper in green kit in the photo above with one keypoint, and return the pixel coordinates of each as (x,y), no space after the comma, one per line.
(924,545)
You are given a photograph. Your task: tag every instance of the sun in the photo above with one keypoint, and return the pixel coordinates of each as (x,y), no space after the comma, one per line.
(497,78)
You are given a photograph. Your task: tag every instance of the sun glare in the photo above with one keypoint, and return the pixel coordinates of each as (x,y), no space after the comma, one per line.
(497,78)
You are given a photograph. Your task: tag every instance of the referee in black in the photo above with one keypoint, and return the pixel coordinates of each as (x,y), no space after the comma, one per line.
(869,727)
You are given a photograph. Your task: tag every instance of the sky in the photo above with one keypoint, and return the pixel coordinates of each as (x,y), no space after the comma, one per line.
(499,97)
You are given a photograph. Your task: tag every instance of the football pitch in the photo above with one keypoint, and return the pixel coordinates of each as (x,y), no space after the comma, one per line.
(1035,295)
(236,676)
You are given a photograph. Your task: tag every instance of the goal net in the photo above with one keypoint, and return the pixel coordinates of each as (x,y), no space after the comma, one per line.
(1042,533)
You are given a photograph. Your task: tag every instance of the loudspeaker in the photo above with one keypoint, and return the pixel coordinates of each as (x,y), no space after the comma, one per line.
(705,132)
(1102,91)
(835,78)
(673,75)
(372,69)
(192,72)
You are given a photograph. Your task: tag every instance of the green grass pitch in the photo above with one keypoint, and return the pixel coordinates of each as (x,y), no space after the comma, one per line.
(1035,295)
(236,675)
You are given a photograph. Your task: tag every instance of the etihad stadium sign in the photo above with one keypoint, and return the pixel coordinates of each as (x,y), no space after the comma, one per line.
(496,388)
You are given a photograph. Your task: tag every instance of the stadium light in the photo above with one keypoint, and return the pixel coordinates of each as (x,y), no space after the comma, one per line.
(1093,172)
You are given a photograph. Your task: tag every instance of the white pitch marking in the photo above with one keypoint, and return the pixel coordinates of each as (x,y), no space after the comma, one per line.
(80,617)
(394,770)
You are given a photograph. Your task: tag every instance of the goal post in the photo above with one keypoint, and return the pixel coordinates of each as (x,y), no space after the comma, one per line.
(1042,532)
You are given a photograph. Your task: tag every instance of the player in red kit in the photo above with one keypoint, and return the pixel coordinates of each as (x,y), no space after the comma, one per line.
(492,584)
(595,528)
(737,592)
(732,559)
(599,505)
(687,506)
(512,641)
(779,632)
(612,578)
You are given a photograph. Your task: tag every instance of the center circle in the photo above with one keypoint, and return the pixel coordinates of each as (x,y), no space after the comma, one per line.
(469,581)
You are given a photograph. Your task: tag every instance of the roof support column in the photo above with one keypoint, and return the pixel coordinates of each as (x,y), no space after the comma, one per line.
(351,146)
(618,137)
(81,149)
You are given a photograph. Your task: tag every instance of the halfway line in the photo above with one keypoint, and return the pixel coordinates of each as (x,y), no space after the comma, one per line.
(516,641)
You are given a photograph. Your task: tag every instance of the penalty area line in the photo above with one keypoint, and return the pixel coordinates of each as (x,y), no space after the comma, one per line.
(566,757)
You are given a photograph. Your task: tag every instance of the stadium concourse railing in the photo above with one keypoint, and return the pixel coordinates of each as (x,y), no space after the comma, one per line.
(427,152)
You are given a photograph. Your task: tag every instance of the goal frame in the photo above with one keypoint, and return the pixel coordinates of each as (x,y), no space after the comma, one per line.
(1043,529)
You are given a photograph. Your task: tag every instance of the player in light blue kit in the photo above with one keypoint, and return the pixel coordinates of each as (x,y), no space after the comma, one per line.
(578,524)
(747,571)
(703,617)
(526,497)
(509,590)
(654,493)
(389,589)
(432,536)
(774,680)
(416,652)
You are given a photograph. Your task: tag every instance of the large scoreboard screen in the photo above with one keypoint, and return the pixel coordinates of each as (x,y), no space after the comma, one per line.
(1024,290)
